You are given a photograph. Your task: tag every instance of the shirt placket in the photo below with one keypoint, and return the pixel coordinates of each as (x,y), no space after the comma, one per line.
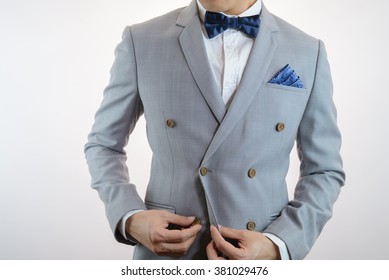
(231,65)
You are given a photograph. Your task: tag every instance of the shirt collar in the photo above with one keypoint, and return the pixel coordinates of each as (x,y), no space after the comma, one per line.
(255,9)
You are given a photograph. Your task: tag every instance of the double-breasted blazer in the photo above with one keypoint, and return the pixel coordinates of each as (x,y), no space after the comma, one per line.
(226,166)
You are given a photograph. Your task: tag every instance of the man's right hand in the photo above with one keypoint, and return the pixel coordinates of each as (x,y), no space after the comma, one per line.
(150,228)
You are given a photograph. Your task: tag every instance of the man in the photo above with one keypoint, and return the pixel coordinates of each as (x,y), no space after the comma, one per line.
(223,105)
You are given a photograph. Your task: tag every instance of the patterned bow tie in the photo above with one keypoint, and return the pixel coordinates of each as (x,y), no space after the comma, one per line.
(216,23)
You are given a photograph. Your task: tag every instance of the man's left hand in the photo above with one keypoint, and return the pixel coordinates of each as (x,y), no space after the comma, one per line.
(252,245)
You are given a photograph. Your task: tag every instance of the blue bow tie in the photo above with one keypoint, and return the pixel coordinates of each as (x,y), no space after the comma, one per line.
(216,23)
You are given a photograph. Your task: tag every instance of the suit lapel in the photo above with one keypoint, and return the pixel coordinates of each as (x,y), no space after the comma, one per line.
(252,79)
(192,44)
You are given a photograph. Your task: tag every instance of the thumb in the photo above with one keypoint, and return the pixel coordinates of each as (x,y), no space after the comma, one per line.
(232,233)
(180,220)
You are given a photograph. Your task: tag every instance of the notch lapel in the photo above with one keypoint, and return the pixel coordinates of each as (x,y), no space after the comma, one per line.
(252,80)
(192,44)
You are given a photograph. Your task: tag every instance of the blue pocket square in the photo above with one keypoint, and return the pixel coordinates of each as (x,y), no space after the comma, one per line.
(287,77)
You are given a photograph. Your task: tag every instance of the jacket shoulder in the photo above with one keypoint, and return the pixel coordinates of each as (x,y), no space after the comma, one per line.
(157,25)
(293,34)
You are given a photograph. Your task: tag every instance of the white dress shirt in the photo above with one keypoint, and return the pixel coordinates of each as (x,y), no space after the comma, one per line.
(227,54)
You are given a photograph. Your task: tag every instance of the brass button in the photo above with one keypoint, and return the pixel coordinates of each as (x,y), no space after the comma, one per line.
(280,127)
(252,173)
(203,171)
(170,123)
(196,222)
(250,225)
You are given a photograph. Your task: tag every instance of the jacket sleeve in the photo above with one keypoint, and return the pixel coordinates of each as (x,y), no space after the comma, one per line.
(114,121)
(321,170)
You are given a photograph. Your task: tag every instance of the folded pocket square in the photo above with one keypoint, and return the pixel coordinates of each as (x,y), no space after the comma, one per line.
(287,77)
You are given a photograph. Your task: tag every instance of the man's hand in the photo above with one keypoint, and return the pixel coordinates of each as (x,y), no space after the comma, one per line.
(252,245)
(151,229)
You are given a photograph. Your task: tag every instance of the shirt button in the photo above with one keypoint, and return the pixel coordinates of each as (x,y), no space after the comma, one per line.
(203,171)
(280,127)
(251,225)
(252,172)
(170,123)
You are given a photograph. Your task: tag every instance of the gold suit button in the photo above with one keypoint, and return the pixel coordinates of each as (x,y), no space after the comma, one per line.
(203,171)
(280,127)
(196,221)
(170,123)
(250,225)
(252,173)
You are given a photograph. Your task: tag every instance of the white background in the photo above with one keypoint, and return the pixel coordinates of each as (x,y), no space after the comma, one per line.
(55,58)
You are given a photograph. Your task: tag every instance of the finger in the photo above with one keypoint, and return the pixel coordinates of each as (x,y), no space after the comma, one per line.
(225,247)
(232,233)
(174,249)
(179,236)
(183,221)
(212,252)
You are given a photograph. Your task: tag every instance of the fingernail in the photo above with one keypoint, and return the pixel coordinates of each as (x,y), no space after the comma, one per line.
(217,228)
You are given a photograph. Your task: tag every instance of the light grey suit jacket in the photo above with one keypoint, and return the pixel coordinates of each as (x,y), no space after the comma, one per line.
(161,70)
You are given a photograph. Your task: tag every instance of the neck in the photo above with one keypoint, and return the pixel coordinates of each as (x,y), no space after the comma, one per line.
(240,7)
(229,7)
